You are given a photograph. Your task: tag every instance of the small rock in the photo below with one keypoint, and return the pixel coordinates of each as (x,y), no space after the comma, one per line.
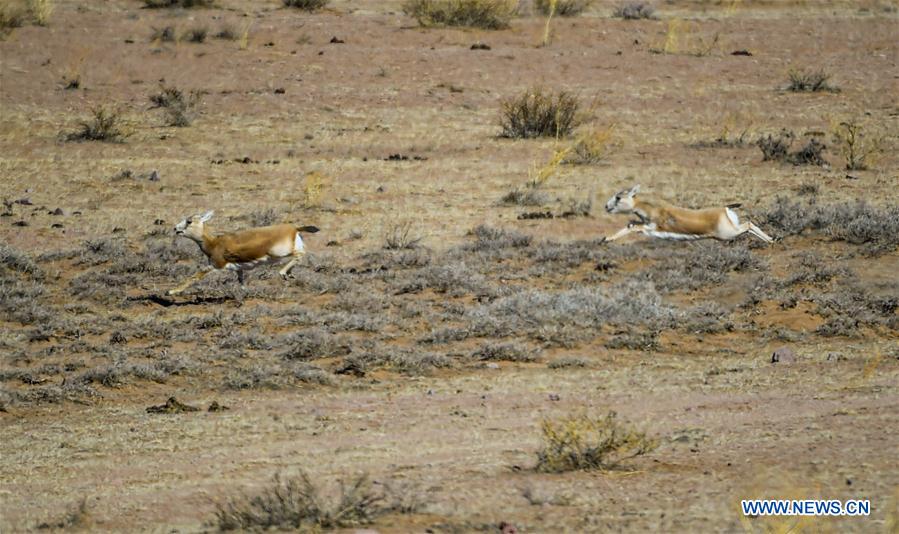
(20,223)
(783,355)
(741,53)
(24,202)
(507,528)
(159,222)
(491,365)
(480,46)
(56,225)
(554,397)
(280,91)
(154,176)
(335,40)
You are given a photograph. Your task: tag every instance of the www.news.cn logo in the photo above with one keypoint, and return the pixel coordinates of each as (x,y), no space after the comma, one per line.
(815,507)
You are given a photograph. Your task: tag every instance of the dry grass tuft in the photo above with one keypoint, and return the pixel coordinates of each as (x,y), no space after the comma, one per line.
(538,113)
(297,503)
(40,11)
(777,148)
(584,443)
(306,5)
(592,146)
(485,14)
(195,35)
(806,81)
(105,125)
(634,11)
(401,237)
(156,4)
(180,108)
(78,517)
(10,17)
(860,149)
(562,8)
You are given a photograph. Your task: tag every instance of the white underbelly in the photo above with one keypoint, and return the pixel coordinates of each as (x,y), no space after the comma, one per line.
(673,235)
(247,265)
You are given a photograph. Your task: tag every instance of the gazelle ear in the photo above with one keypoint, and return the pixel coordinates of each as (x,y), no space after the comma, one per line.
(206,216)
(634,190)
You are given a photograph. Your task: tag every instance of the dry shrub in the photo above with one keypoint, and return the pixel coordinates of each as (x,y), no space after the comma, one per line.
(634,11)
(806,81)
(585,443)
(298,503)
(306,5)
(538,113)
(400,237)
(180,107)
(859,148)
(777,148)
(591,147)
(485,14)
(40,10)
(562,8)
(77,517)
(154,4)
(104,125)
(195,35)
(165,35)
(10,17)
(854,222)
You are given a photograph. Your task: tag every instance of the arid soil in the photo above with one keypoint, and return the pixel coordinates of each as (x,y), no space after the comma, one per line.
(432,329)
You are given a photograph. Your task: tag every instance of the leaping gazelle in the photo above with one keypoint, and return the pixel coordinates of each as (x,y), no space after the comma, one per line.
(242,251)
(662,220)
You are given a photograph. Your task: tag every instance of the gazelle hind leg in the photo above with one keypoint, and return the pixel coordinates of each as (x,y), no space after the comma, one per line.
(285,271)
(748,227)
(756,231)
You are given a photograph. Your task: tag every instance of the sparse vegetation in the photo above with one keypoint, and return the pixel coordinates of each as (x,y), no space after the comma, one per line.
(485,14)
(400,236)
(540,113)
(10,17)
(306,5)
(591,147)
(156,4)
(40,11)
(180,108)
(562,8)
(808,81)
(859,223)
(195,35)
(297,503)
(164,35)
(859,148)
(227,33)
(106,124)
(78,517)
(586,443)
(634,11)
(777,148)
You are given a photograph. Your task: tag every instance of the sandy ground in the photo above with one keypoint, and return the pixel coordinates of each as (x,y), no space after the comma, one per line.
(731,425)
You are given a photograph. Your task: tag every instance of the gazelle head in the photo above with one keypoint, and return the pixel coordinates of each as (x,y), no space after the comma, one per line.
(623,201)
(192,226)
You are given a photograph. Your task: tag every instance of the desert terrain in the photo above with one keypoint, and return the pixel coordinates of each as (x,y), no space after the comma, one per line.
(459,296)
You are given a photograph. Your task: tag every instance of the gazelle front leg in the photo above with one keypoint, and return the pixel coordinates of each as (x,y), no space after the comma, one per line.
(190,281)
(285,271)
(629,229)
